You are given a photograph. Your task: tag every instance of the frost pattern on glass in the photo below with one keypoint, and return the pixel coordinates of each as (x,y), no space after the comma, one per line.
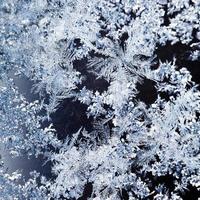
(134,144)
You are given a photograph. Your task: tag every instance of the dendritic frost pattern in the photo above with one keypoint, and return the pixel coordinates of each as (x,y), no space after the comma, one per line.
(137,148)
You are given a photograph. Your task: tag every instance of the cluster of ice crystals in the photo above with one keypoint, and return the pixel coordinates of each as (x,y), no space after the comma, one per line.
(133,144)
